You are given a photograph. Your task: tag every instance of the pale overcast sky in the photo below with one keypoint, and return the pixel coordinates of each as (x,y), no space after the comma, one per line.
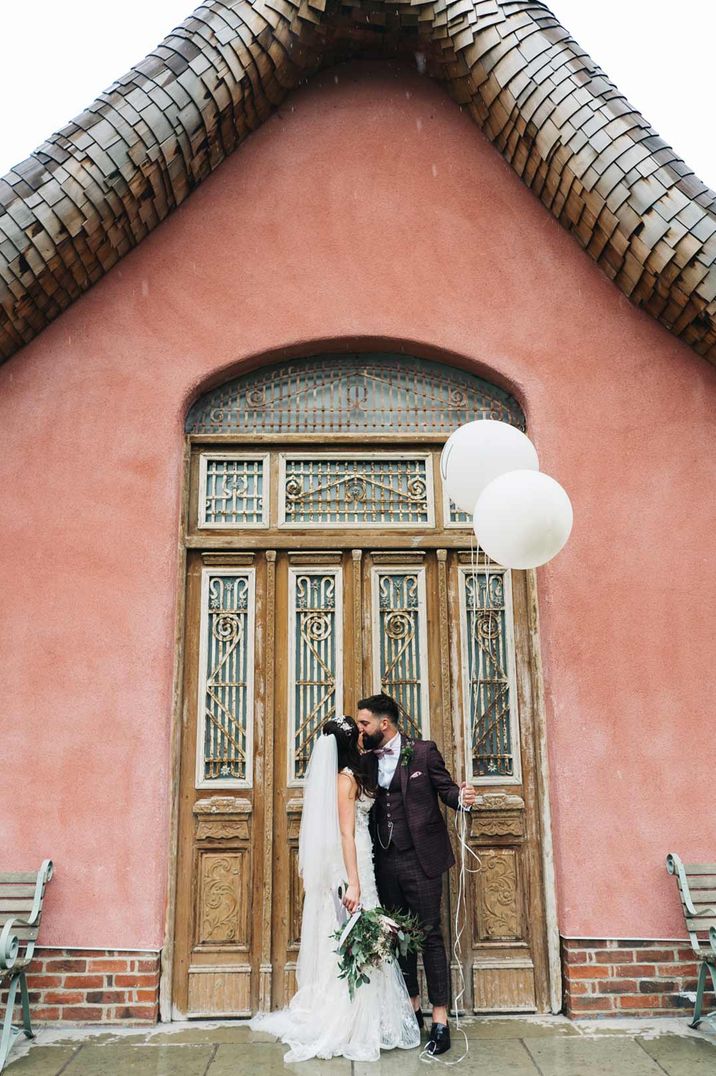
(55,57)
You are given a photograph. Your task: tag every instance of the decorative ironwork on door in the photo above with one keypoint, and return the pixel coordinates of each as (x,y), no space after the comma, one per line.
(362,491)
(400,646)
(489,676)
(233,490)
(315,688)
(360,393)
(226,680)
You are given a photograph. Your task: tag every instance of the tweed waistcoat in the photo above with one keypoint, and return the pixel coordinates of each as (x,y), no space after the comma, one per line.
(389,808)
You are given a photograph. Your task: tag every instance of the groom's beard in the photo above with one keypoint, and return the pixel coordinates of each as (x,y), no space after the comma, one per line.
(372,740)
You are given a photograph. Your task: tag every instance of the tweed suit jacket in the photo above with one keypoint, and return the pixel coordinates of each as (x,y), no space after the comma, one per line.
(423,781)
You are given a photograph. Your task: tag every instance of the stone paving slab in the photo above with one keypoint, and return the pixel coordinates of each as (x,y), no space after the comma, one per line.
(145,1060)
(682,1057)
(39,1061)
(267,1059)
(592,1057)
(498,1046)
(488,1057)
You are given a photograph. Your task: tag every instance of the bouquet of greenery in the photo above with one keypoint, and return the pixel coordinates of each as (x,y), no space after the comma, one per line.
(372,937)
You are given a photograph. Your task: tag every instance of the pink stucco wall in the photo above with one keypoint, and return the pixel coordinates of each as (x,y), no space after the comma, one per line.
(368,208)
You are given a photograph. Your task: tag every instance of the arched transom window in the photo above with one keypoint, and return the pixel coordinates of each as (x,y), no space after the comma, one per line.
(379,393)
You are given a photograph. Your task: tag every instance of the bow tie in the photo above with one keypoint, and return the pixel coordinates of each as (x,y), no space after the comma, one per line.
(384,751)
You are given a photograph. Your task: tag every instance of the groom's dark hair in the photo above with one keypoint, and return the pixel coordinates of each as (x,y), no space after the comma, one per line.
(382,706)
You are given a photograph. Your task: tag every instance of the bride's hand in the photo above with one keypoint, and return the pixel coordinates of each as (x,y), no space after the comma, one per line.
(352,898)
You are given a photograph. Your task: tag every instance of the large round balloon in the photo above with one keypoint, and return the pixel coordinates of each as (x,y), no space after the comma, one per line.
(480,451)
(523,519)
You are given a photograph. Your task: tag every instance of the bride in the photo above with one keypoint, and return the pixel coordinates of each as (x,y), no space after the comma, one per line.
(335,845)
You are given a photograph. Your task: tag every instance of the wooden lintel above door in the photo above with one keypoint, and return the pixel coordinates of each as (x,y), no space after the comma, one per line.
(228,559)
(398,556)
(311,558)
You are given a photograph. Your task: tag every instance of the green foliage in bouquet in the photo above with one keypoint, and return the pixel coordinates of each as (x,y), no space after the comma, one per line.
(376,936)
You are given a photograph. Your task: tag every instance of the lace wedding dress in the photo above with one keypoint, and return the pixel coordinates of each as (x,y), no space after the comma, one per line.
(321,1020)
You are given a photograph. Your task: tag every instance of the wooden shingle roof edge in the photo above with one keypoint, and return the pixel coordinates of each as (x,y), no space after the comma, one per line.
(94,190)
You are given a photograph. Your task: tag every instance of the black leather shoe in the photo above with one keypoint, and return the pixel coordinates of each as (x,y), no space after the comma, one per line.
(420,1018)
(439,1041)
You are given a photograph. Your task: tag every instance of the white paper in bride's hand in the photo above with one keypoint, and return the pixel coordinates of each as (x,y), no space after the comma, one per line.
(349,927)
(338,893)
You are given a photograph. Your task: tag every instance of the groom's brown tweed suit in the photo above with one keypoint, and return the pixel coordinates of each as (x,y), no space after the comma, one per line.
(412,855)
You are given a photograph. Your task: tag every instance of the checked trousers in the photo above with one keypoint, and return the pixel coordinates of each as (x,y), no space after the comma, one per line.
(404,887)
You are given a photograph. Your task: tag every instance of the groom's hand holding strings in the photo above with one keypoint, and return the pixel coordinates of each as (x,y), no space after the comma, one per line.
(468,795)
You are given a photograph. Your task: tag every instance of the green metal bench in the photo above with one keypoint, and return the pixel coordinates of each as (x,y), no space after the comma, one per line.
(21,897)
(697,889)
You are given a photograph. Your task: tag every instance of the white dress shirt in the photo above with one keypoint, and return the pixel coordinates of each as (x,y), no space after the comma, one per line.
(388,764)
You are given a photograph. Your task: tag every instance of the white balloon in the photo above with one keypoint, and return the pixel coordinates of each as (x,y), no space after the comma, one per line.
(523,519)
(480,451)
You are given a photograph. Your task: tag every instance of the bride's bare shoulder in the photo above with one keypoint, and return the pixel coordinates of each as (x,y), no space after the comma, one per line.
(348,786)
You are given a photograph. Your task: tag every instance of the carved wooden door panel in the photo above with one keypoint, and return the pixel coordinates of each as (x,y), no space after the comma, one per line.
(222,948)
(506,958)
(314,676)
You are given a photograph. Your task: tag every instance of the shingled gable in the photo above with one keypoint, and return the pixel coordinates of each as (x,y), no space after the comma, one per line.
(94,190)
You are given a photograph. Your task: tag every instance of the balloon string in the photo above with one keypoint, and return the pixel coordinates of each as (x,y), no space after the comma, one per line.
(460,823)
(459,928)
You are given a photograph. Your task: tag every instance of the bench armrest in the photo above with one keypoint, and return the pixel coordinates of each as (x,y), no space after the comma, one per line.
(10,943)
(676,867)
(43,876)
(712,938)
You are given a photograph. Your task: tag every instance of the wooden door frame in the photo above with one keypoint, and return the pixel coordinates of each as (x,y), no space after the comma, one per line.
(167,1012)
(542,777)
(166,973)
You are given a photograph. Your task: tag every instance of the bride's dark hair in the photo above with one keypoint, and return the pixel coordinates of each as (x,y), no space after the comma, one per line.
(346,733)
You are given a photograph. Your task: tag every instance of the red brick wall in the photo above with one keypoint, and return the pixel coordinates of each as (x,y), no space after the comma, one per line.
(92,986)
(628,978)
(601,978)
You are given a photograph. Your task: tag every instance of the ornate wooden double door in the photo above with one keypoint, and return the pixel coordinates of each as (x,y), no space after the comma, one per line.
(314,576)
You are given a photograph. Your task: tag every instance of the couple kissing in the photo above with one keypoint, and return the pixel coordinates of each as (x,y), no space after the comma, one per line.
(371,817)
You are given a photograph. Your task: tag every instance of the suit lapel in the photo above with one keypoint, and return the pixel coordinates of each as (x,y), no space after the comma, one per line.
(373,769)
(404,769)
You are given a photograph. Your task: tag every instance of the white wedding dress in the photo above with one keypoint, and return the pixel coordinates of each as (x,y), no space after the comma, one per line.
(321,1020)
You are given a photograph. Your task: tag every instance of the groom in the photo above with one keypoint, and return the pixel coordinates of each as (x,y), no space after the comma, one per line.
(412,846)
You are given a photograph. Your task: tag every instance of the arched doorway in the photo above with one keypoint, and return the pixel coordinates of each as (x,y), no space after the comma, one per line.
(324,562)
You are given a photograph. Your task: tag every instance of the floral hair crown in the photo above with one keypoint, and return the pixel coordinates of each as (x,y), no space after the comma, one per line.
(342,723)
